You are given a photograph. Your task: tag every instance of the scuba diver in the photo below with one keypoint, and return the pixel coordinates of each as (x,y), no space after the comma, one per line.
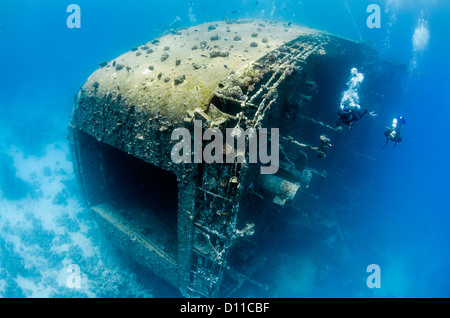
(347,115)
(349,110)
(393,132)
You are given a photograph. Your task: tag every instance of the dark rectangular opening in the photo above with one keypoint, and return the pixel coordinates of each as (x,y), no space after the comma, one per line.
(145,195)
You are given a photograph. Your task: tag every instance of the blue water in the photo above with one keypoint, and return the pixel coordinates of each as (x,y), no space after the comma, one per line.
(402,222)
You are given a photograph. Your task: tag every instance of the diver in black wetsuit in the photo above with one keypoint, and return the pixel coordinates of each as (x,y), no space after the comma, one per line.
(347,115)
(349,110)
(393,132)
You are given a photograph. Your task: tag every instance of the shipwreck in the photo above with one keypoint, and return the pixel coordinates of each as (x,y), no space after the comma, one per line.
(210,229)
